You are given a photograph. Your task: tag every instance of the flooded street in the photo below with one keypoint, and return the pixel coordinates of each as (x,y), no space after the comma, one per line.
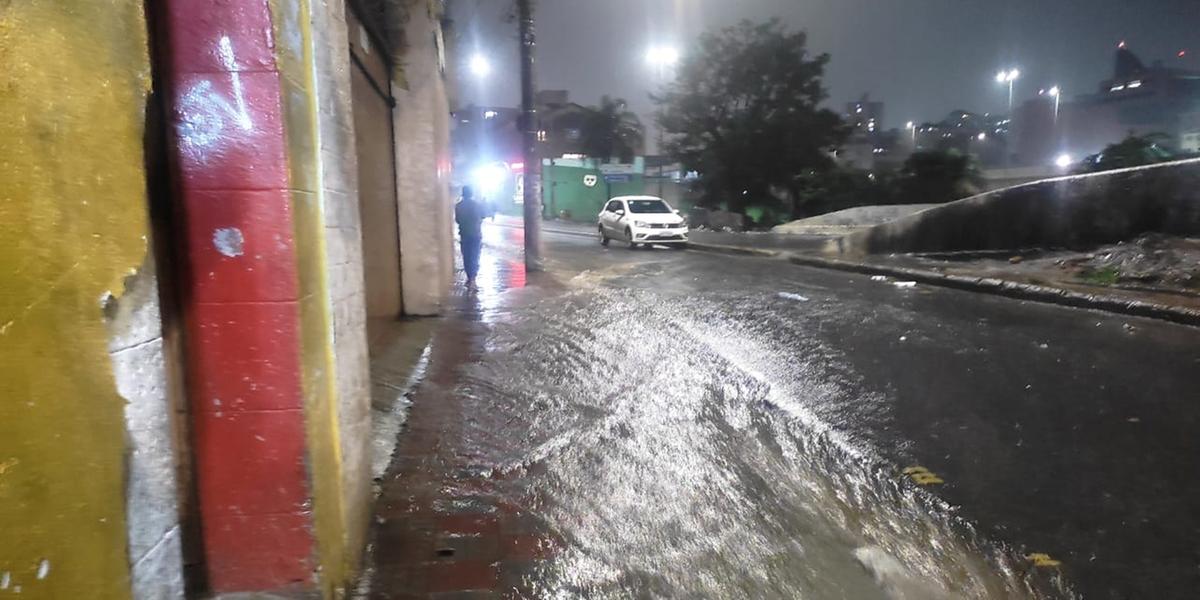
(683,425)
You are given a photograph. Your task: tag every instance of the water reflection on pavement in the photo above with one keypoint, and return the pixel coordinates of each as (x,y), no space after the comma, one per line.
(653,436)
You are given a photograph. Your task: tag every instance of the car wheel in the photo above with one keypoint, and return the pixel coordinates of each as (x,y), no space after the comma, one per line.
(629,236)
(603,236)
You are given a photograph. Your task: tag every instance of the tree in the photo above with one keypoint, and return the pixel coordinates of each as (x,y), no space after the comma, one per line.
(1133,151)
(841,188)
(936,176)
(743,114)
(611,130)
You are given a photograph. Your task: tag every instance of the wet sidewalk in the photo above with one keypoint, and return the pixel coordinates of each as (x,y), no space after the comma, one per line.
(442,528)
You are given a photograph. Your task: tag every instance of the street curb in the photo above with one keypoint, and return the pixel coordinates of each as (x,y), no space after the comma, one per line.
(739,250)
(588,234)
(1011,289)
(983,285)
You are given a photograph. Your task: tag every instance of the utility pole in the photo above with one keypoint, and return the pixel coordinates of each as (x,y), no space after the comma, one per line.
(533,163)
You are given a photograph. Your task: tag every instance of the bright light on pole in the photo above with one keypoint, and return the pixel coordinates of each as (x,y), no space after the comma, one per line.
(1063,161)
(912,127)
(661,58)
(1010,77)
(480,67)
(1057,93)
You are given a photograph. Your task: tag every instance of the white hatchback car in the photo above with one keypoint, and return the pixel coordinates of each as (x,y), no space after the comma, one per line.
(642,220)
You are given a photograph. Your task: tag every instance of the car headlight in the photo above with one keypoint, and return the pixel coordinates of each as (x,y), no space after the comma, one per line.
(680,224)
(640,224)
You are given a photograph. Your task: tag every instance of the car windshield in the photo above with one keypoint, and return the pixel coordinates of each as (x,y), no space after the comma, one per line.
(648,206)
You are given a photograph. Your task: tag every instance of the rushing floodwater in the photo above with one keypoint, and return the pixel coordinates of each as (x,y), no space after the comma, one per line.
(688,447)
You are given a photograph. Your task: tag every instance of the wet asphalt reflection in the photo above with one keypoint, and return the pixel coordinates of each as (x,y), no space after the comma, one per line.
(715,427)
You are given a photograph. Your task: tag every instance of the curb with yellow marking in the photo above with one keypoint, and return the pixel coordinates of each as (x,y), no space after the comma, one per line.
(923,476)
(1043,560)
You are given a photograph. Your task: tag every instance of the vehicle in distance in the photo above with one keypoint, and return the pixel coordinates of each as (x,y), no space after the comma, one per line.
(642,220)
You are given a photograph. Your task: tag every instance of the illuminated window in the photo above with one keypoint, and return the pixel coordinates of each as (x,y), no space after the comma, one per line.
(541,135)
(490,114)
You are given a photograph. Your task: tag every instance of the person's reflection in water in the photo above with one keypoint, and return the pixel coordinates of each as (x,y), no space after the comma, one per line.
(470,213)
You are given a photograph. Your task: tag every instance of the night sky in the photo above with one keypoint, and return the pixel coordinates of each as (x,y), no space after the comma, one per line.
(922,58)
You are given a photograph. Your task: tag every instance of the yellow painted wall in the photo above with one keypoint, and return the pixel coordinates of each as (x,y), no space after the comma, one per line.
(339,542)
(74,76)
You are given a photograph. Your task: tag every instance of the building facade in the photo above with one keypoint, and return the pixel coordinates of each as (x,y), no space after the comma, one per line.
(1135,100)
(208,203)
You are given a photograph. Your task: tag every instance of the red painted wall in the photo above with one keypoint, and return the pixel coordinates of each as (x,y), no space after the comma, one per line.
(240,294)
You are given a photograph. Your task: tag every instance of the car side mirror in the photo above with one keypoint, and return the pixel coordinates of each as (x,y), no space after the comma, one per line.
(620,211)
(675,210)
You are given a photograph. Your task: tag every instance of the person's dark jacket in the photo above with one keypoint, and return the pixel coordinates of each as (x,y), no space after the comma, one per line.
(470,213)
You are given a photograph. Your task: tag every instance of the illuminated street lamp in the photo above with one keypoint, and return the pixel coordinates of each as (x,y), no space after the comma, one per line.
(1009,77)
(912,127)
(661,58)
(480,67)
(1057,93)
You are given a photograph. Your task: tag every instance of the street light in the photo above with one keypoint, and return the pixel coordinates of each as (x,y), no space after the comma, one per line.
(912,127)
(661,58)
(1057,93)
(480,67)
(1010,77)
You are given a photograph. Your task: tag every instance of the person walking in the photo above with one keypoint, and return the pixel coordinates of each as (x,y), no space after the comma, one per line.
(469,213)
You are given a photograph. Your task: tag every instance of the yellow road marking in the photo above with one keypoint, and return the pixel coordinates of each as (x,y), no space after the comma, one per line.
(922,476)
(1043,560)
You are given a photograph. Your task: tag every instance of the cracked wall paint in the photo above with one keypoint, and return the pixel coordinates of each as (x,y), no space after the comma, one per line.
(229,241)
(73,214)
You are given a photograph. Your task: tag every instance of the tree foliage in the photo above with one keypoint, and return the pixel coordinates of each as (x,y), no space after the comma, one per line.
(744,113)
(1133,151)
(927,177)
(611,130)
(936,176)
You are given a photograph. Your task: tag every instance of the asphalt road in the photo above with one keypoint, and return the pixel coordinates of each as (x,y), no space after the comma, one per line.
(718,426)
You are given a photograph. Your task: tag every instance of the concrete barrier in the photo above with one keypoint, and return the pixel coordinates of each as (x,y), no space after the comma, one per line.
(1067,212)
(851,219)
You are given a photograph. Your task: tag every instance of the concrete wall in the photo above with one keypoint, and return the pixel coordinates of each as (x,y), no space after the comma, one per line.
(423,168)
(344,259)
(266,219)
(87,458)
(846,220)
(1066,212)
(376,174)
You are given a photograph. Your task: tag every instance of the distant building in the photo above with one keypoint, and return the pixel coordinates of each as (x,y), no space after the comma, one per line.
(869,146)
(560,124)
(986,136)
(484,135)
(1136,99)
(864,116)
